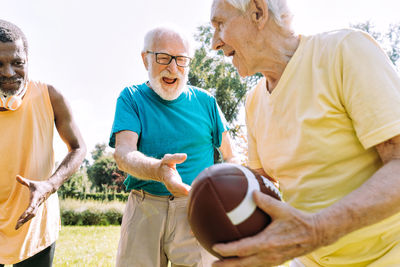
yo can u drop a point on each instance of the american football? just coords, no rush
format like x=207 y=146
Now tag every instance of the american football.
x=221 y=208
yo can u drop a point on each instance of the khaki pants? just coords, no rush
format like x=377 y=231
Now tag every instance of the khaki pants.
x=155 y=230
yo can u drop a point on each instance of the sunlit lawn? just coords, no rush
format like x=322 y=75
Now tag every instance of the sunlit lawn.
x=87 y=246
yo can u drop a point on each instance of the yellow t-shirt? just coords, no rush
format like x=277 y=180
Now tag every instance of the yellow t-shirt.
x=338 y=97
x=26 y=149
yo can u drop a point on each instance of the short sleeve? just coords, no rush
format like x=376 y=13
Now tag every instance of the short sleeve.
x=370 y=89
x=220 y=124
x=126 y=115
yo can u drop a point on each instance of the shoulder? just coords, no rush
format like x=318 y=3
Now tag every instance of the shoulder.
x=338 y=38
x=55 y=95
x=200 y=93
x=132 y=94
x=335 y=35
x=132 y=90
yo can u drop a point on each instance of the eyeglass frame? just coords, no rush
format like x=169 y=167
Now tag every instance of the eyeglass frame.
x=171 y=58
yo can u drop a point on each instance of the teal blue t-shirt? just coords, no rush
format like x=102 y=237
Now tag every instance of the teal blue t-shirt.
x=191 y=124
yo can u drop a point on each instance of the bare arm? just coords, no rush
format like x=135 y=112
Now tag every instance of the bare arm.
x=71 y=136
x=130 y=160
x=294 y=233
x=226 y=149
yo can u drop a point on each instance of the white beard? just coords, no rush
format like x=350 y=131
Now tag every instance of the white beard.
x=168 y=93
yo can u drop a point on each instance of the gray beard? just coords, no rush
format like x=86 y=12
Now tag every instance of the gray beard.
x=170 y=95
x=8 y=93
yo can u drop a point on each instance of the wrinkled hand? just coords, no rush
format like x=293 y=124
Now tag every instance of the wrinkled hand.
x=170 y=176
x=39 y=192
x=292 y=233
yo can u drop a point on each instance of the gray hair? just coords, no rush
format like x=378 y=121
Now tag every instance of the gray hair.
x=278 y=9
x=10 y=32
x=160 y=32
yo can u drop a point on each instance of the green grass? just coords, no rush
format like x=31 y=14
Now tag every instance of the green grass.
x=87 y=246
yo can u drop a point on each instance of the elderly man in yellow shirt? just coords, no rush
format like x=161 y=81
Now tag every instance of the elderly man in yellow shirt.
x=29 y=211
x=325 y=122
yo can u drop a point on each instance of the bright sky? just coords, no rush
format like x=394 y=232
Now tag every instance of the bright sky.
x=90 y=49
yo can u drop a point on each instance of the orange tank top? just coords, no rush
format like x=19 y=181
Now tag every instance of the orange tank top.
x=26 y=147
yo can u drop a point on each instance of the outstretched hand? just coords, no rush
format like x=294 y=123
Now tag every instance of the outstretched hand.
x=170 y=176
x=292 y=233
x=39 y=192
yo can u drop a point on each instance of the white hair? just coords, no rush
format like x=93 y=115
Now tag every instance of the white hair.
x=161 y=31
x=278 y=9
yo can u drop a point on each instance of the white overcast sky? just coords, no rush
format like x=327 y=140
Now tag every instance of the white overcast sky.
x=90 y=49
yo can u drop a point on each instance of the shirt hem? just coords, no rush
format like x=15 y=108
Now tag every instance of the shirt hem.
x=380 y=135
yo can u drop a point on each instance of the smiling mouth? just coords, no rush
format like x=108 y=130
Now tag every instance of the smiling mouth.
x=169 y=80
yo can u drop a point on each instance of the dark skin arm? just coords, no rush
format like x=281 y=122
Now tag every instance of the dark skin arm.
x=69 y=133
x=294 y=233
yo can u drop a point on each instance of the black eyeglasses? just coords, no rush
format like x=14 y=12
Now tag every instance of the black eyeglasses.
x=165 y=59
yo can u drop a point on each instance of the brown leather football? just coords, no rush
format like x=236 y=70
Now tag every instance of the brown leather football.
x=221 y=208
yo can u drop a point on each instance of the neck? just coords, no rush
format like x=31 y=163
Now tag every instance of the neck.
x=20 y=93
x=281 y=44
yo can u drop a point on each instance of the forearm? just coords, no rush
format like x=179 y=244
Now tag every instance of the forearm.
x=375 y=200
x=68 y=166
x=227 y=151
x=137 y=164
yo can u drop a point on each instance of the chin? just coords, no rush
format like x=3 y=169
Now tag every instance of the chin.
x=243 y=72
x=168 y=92
x=10 y=90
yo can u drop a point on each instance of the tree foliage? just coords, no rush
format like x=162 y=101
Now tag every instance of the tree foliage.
x=104 y=173
x=389 y=40
x=77 y=184
x=212 y=71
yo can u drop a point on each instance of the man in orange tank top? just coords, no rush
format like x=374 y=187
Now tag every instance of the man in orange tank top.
x=29 y=211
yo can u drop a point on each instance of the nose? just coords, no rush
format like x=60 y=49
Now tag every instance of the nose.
x=173 y=67
x=216 y=43
x=7 y=70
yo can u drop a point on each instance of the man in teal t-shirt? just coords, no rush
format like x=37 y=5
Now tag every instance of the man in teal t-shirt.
x=164 y=134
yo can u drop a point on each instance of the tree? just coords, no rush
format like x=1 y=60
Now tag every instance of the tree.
x=77 y=184
x=104 y=173
x=389 y=40
x=99 y=150
x=212 y=71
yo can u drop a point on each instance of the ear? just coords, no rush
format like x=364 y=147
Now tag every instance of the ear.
x=144 y=58
x=259 y=12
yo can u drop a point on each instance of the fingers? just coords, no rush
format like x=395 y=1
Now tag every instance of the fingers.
x=28 y=214
x=268 y=204
x=244 y=247
x=174 y=158
x=180 y=189
x=251 y=245
x=23 y=180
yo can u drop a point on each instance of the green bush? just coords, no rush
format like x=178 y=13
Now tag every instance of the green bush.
x=114 y=216
x=91 y=217
x=95 y=196
x=76 y=212
x=70 y=217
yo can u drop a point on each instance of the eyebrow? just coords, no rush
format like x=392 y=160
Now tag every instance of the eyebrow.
x=215 y=20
